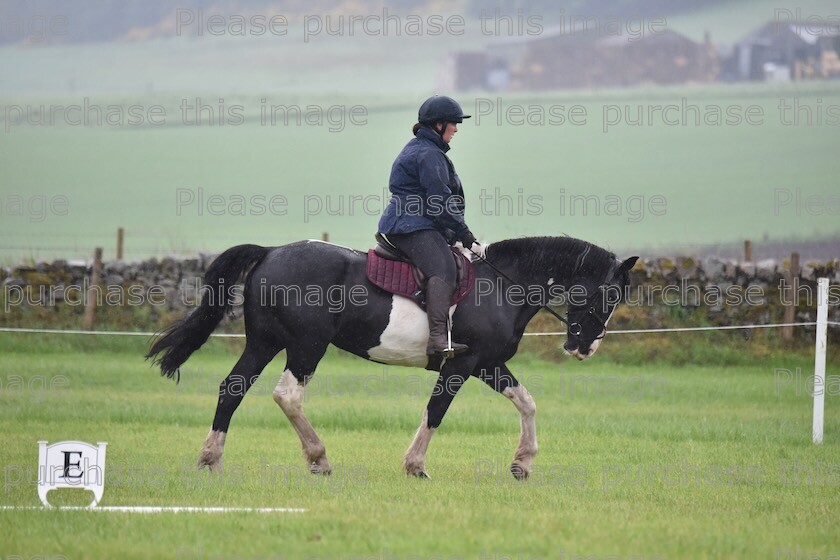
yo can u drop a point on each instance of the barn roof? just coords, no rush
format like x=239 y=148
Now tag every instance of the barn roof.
x=807 y=32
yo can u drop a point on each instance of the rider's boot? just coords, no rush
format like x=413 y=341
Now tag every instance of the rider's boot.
x=438 y=295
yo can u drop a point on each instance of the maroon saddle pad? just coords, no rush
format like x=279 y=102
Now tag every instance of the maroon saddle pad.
x=404 y=279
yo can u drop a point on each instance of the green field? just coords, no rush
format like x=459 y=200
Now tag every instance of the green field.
x=720 y=182
x=652 y=186
x=662 y=446
x=647 y=462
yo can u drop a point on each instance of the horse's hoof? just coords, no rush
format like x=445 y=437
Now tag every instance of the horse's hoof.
x=212 y=466
x=419 y=473
x=518 y=471
x=318 y=468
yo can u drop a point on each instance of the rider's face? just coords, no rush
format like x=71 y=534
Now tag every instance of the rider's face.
x=451 y=129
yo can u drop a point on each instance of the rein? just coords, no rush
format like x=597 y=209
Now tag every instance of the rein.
x=574 y=328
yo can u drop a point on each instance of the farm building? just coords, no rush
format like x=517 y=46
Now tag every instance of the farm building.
x=784 y=51
x=583 y=59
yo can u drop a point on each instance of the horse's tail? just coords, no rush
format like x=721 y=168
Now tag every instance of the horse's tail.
x=179 y=340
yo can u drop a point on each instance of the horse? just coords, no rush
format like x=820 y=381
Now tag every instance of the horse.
x=514 y=279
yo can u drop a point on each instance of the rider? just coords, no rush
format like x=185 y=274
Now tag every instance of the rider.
x=426 y=212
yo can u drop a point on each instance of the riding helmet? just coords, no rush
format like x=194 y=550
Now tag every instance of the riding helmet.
x=441 y=108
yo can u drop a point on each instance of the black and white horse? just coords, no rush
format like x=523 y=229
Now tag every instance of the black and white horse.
x=287 y=306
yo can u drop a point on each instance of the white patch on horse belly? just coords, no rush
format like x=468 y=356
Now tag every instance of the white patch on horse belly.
x=403 y=342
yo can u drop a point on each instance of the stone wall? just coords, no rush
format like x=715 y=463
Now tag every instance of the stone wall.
x=717 y=291
x=666 y=292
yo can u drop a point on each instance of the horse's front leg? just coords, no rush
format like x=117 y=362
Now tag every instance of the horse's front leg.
x=502 y=380
x=452 y=377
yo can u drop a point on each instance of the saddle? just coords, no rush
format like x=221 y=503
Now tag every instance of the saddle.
x=392 y=270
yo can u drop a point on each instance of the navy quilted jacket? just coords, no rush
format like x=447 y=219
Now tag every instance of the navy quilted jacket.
x=426 y=191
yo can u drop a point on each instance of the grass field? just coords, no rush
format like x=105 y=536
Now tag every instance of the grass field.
x=647 y=462
x=720 y=183
x=669 y=185
x=659 y=447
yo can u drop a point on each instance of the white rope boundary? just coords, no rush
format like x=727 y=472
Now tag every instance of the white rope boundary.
x=626 y=331
x=104 y=333
x=696 y=329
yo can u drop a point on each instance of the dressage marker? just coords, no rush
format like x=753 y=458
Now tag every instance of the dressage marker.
x=71 y=464
x=76 y=464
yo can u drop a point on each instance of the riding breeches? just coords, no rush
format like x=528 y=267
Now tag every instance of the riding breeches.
x=429 y=251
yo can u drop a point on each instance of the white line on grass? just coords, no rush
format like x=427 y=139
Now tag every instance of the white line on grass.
x=159 y=509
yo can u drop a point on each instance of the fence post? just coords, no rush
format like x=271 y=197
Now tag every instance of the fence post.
x=120 y=238
x=95 y=279
x=819 y=359
x=747 y=251
x=790 y=306
x=325 y=236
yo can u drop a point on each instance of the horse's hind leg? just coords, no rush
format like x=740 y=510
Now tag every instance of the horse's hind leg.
x=256 y=356
x=288 y=394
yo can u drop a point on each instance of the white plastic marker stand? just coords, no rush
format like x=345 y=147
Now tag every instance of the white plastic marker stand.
x=819 y=359
x=71 y=464
x=76 y=464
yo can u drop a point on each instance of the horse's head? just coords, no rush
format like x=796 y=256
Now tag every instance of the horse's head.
x=591 y=307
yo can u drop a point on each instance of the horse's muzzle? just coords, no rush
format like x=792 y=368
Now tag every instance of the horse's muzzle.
x=573 y=349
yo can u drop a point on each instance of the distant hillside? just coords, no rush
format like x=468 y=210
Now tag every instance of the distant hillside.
x=84 y=21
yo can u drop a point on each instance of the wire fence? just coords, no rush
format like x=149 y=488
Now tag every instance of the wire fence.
x=625 y=331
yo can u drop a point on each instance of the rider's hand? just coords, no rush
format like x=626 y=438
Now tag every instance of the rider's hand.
x=467 y=239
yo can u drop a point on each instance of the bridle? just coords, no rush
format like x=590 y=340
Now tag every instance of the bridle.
x=575 y=328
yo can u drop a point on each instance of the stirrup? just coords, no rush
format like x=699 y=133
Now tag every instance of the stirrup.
x=450 y=351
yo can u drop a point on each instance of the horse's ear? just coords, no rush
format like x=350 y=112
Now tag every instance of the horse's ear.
x=627 y=265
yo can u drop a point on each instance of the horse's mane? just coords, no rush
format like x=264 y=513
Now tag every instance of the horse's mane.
x=563 y=256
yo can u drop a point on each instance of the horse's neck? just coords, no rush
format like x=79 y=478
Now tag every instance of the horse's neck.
x=549 y=281
x=554 y=278
x=559 y=273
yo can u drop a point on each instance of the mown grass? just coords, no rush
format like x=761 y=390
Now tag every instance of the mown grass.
x=744 y=479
